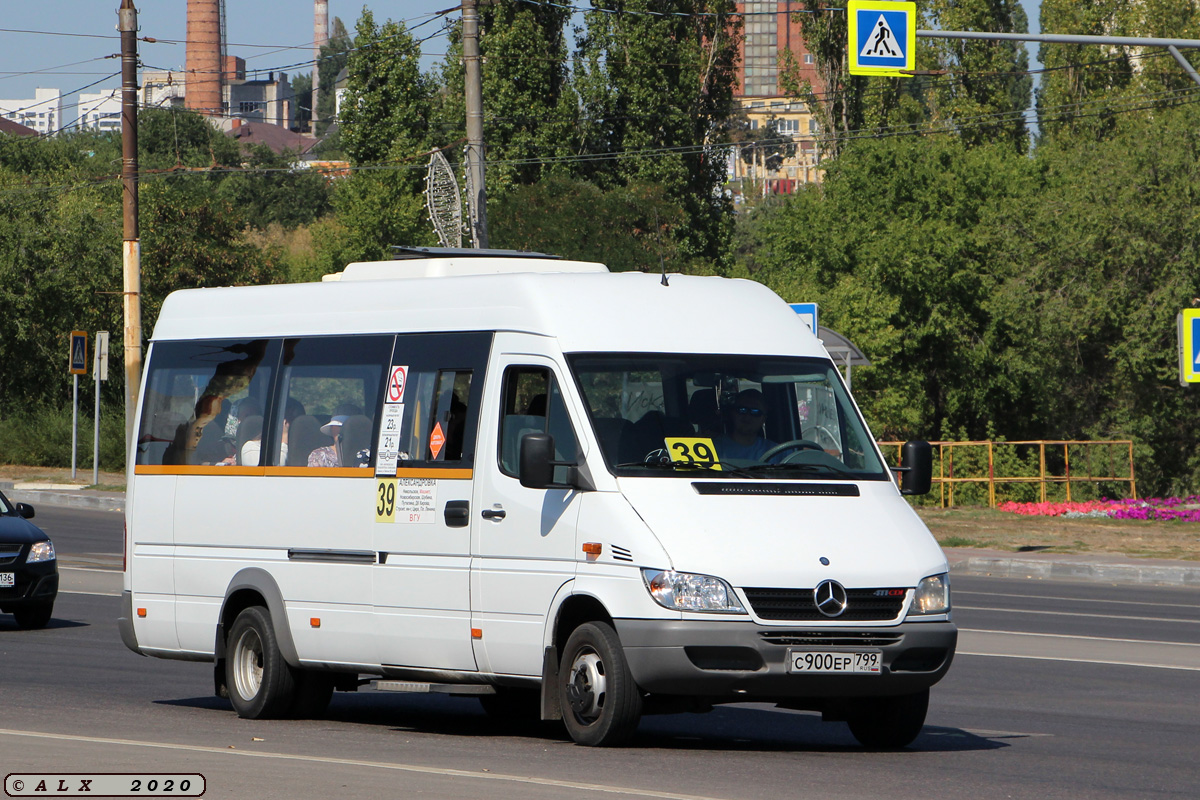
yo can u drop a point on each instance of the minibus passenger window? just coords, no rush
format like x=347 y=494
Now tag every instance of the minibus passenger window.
x=187 y=417
x=330 y=391
x=449 y=415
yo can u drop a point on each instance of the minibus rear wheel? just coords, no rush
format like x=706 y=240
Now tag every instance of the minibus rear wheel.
x=261 y=684
x=889 y=723
x=601 y=703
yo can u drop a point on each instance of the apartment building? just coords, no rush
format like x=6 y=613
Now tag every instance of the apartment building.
x=771 y=39
x=100 y=111
x=43 y=112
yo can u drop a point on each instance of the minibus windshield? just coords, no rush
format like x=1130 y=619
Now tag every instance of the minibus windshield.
x=744 y=416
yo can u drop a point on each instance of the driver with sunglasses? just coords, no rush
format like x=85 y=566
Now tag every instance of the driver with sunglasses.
x=745 y=440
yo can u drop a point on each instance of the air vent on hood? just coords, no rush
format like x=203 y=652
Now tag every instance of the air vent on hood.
x=621 y=553
x=801 y=489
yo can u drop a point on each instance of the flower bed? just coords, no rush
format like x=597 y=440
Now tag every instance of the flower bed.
x=1185 y=509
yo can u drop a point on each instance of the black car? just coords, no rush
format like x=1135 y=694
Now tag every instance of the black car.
x=28 y=568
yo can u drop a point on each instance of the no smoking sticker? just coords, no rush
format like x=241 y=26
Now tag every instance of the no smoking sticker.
x=396 y=384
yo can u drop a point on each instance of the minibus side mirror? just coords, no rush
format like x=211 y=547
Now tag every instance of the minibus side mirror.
x=536 y=470
x=916 y=471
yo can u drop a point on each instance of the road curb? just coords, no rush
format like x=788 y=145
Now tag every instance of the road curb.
x=82 y=499
x=1075 y=568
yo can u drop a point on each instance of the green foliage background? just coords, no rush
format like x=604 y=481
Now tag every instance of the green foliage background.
x=1006 y=281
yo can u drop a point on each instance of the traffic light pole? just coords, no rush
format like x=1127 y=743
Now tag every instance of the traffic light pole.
x=1172 y=45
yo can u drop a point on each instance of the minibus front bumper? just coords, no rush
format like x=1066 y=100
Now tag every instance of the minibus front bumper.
x=745 y=661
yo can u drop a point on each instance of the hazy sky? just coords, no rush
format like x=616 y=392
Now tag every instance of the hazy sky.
x=271 y=36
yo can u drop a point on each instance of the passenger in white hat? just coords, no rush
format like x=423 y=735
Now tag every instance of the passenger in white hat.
x=328 y=456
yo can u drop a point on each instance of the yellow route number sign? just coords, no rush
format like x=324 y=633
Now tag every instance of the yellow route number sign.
x=385 y=500
x=698 y=451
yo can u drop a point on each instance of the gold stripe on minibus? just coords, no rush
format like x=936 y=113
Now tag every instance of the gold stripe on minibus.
x=299 y=472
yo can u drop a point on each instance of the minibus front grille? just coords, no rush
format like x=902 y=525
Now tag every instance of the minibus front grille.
x=832 y=638
x=862 y=605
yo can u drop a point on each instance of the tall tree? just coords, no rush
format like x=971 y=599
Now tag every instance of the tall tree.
x=529 y=107
x=989 y=87
x=655 y=80
x=385 y=131
x=1086 y=88
x=335 y=55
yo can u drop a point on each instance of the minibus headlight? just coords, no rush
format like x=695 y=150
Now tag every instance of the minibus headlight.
x=40 y=551
x=683 y=591
x=932 y=595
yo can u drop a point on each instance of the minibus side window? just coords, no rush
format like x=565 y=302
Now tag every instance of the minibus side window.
x=435 y=389
x=448 y=416
x=192 y=390
x=532 y=403
x=329 y=393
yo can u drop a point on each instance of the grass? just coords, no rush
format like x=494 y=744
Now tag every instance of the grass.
x=986 y=528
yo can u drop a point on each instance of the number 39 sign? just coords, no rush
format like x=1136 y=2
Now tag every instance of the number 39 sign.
x=698 y=451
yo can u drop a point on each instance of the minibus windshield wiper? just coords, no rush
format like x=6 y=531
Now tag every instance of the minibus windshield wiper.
x=708 y=466
x=799 y=468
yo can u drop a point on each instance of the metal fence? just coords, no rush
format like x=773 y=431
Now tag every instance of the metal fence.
x=1094 y=462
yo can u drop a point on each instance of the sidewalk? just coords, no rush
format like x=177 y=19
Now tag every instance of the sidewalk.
x=62 y=496
x=1097 y=568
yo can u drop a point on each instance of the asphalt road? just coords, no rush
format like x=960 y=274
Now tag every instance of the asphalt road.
x=1061 y=690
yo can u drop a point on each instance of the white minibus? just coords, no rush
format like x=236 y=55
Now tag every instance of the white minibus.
x=576 y=494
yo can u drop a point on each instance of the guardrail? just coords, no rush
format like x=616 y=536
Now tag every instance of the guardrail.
x=1053 y=467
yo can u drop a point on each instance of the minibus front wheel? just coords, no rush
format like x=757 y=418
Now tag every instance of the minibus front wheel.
x=261 y=684
x=889 y=723
x=601 y=703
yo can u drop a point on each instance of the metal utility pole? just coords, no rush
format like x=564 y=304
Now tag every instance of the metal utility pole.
x=131 y=247
x=477 y=198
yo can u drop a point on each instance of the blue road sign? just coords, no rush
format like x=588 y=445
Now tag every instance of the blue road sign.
x=78 y=352
x=1189 y=346
x=808 y=313
x=882 y=37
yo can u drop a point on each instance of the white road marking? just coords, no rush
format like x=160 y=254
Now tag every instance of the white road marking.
x=1027 y=596
x=350 y=762
x=1076 y=614
x=1079 y=649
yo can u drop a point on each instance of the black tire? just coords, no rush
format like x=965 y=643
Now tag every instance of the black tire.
x=889 y=723
x=261 y=684
x=513 y=704
x=314 y=690
x=33 y=616
x=601 y=704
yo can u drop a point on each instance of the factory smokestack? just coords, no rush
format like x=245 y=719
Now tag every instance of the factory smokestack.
x=320 y=37
x=202 y=90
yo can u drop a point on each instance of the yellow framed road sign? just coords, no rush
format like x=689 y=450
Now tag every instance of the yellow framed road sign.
x=78 y=353
x=883 y=38
x=1188 y=323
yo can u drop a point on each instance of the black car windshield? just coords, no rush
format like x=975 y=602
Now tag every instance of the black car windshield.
x=742 y=416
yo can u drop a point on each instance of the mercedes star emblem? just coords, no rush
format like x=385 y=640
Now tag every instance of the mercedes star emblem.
x=830 y=598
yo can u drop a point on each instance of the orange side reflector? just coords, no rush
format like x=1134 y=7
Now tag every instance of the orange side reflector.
x=141 y=612
x=476 y=633
x=593 y=548
x=315 y=622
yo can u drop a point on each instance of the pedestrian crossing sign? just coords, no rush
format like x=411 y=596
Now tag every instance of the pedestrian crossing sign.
x=882 y=38
x=78 y=352
x=1188 y=322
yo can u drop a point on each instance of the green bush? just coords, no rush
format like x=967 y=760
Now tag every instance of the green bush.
x=41 y=437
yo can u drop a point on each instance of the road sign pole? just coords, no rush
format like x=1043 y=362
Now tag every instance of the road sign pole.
x=101 y=370
x=74 y=424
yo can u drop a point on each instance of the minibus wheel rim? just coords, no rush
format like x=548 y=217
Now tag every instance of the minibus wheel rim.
x=248 y=664
x=588 y=686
